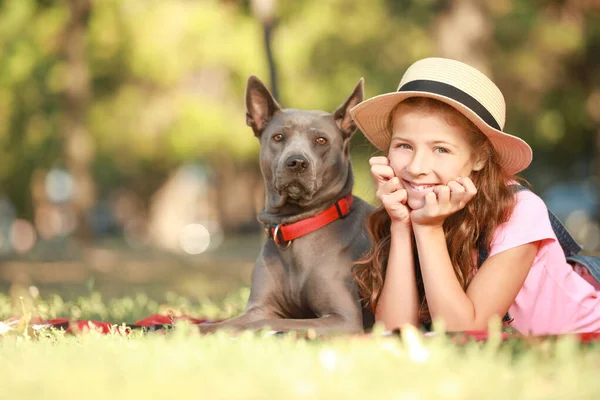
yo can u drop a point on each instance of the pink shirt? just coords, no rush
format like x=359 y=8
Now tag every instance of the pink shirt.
x=554 y=298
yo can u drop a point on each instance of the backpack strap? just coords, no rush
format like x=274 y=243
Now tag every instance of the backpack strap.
x=590 y=262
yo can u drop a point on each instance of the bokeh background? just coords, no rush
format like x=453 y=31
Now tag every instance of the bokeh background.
x=125 y=163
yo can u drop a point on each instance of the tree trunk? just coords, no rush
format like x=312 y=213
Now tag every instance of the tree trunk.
x=78 y=145
x=462 y=33
x=264 y=10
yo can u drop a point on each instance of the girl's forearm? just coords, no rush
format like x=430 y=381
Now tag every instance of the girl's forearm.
x=445 y=297
x=399 y=301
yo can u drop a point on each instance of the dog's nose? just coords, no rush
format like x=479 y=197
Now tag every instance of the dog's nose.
x=297 y=163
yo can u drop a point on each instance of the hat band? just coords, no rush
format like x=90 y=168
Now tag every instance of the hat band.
x=454 y=93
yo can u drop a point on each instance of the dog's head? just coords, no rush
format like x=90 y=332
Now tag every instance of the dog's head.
x=304 y=155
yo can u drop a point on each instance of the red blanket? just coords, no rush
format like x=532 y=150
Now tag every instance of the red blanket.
x=155 y=322
x=159 y=322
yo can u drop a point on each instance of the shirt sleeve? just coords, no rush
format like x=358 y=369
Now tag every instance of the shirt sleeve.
x=528 y=223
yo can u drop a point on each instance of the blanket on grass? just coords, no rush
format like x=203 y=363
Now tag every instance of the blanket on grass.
x=163 y=323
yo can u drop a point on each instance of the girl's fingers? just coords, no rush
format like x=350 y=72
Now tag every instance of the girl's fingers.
x=388 y=187
x=395 y=199
x=431 y=202
x=395 y=205
x=379 y=160
x=399 y=196
x=443 y=195
x=381 y=170
x=381 y=173
x=470 y=189
x=403 y=197
x=457 y=194
x=443 y=201
x=429 y=213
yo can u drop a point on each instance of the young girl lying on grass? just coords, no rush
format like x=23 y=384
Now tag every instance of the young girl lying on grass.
x=449 y=198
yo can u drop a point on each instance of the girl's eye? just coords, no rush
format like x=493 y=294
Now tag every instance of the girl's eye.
x=321 y=141
x=278 y=137
x=442 y=150
x=404 y=146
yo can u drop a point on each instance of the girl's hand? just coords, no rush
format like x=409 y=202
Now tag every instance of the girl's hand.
x=390 y=191
x=393 y=196
x=444 y=201
x=380 y=170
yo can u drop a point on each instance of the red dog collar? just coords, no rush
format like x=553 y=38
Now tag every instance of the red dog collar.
x=286 y=233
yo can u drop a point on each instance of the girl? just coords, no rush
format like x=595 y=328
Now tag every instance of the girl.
x=447 y=190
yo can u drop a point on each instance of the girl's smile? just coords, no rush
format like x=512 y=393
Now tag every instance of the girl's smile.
x=417 y=188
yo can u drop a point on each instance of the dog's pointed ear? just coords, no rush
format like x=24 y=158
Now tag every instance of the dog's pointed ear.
x=342 y=115
x=260 y=105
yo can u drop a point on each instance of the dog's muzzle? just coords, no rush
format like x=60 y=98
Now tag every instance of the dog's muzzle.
x=296 y=178
x=296 y=189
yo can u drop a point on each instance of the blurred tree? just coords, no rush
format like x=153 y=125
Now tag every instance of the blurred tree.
x=140 y=87
x=29 y=95
x=79 y=146
x=545 y=56
x=463 y=31
x=264 y=10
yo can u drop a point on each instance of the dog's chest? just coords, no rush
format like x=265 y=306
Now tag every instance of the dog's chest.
x=294 y=286
x=291 y=276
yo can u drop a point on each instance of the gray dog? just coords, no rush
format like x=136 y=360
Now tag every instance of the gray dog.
x=302 y=278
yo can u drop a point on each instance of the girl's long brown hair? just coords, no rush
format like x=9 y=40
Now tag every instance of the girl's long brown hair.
x=465 y=231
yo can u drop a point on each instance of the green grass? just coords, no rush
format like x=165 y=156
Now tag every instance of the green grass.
x=182 y=364
x=126 y=309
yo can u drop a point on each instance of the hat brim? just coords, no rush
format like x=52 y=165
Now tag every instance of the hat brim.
x=373 y=118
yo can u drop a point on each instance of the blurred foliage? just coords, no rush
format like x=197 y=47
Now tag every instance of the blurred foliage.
x=167 y=79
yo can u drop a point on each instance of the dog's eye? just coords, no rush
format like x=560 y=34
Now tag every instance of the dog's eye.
x=321 y=141
x=278 y=137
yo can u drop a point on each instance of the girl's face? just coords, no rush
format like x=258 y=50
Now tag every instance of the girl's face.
x=425 y=151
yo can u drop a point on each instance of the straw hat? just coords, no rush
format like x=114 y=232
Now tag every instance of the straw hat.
x=459 y=85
